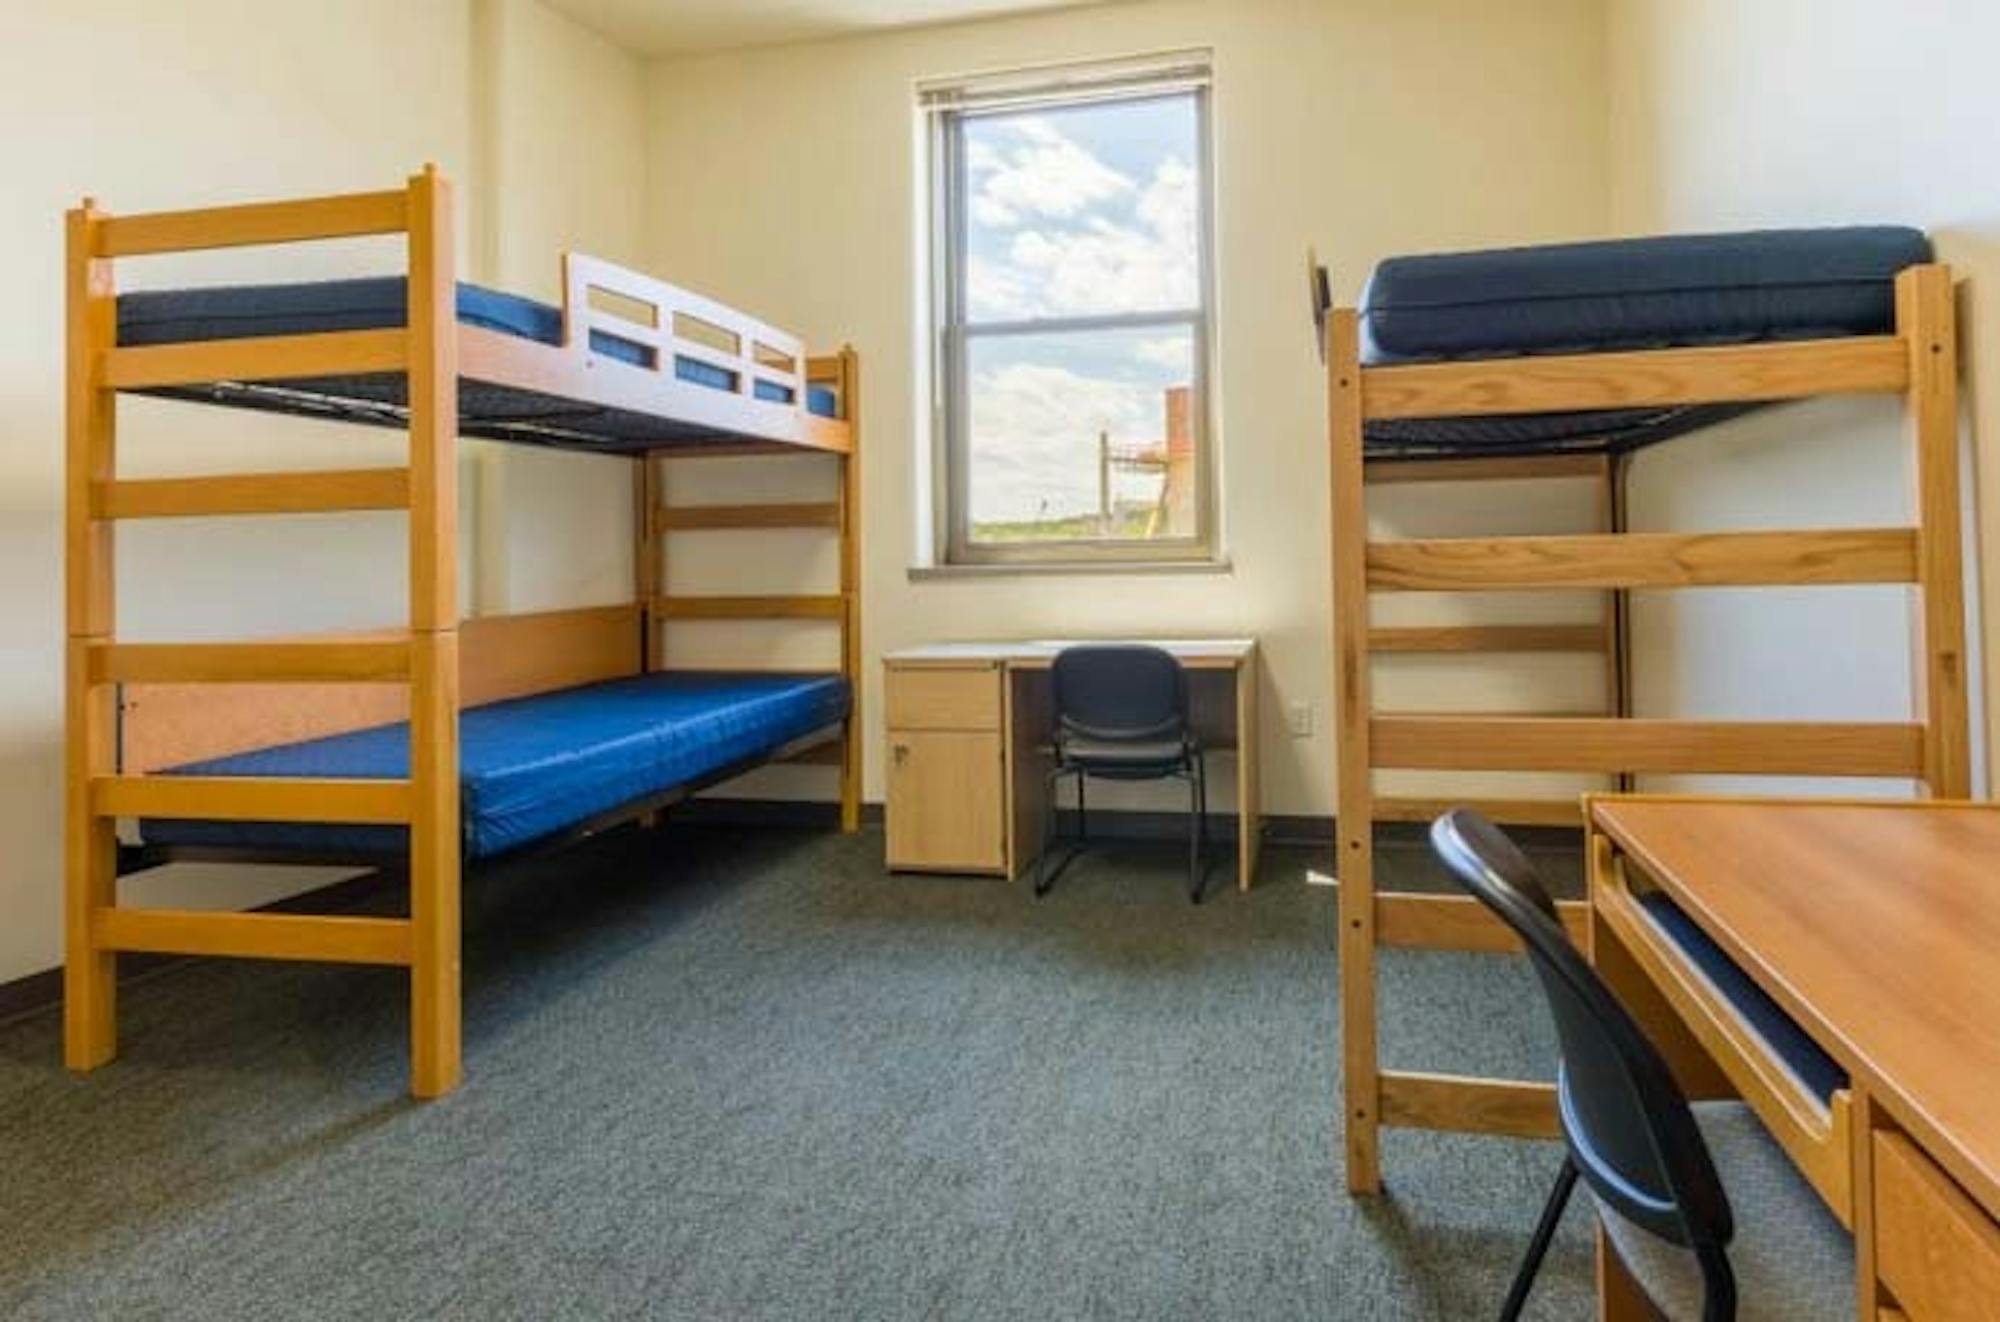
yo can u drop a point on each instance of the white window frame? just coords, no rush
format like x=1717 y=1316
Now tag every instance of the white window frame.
x=948 y=106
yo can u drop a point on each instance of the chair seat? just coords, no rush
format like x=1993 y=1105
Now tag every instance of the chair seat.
x=1791 y=1258
x=1126 y=755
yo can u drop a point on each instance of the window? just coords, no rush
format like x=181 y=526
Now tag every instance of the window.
x=1072 y=313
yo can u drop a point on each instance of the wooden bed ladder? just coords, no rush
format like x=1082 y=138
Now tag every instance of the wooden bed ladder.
x=655 y=519
x=424 y=658
x=1918 y=362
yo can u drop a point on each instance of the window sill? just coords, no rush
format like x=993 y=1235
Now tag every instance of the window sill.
x=1033 y=569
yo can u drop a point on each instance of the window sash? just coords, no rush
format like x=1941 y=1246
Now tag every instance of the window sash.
x=951 y=402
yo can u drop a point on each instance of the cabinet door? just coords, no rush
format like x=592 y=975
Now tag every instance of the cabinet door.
x=944 y=811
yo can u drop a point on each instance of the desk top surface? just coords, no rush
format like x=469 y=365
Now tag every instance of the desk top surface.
x=1876 y=925
x=1222 y=652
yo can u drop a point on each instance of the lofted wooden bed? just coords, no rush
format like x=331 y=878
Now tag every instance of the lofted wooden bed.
x=1917 y=362
x=628 y=365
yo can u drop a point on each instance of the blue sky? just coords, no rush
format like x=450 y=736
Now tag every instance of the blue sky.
x=1075 y=212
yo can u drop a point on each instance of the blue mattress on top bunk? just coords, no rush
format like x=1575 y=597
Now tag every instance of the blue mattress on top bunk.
x=532 y=767
x=1705 y=289
x=174 y=316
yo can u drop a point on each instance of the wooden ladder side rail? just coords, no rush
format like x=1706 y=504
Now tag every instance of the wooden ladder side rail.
x=1354 y=816
x=1926 y=323
x=848 y=386
x=436 y=850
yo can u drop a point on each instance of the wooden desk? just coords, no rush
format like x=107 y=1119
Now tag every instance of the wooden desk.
x=1876 y=926
x=969 y=729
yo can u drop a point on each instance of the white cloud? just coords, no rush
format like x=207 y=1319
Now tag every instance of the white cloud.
x=1043 y=173
x=1094 y=263
x=1172 y=352
x=1034 y=428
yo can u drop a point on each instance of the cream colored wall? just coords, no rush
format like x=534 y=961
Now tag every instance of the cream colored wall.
x=564 y=167
x=151 y=106
x=786 y=180
x=1746 y=113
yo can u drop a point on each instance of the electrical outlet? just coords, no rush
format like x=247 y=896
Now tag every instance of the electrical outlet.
x=1299 y=719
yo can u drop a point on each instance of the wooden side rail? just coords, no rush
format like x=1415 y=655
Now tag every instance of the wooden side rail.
x=326 y=491
x=254 y=799
x=1644 y=560
x=1729 y=374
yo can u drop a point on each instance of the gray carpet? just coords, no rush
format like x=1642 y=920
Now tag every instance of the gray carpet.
x=718 y=1075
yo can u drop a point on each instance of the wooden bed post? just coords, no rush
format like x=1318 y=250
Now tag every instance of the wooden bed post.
x=435 y=848
x=1926 y=322
x=1354 y=861
x=647 y=497
x=850 y=589
x=90 y=854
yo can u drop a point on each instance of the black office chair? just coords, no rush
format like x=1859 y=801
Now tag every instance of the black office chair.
x=1647 y=1156
x=1122 y=714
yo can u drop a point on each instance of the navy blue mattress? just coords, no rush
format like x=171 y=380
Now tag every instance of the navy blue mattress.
x=1705 y=289
x=177 y=316
x=532 y=767
x=1813 y=1067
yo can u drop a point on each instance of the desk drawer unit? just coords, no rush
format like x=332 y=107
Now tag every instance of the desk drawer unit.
x=1935 y=1249
x=946 y=774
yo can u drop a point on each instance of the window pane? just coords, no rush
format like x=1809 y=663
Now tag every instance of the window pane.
x=1082 y=435
x=1082 y=210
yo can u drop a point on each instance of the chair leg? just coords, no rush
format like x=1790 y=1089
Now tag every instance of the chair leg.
x=1050 y=820
x=1196 y=873
x=1082 y=814
x=1538 y=1247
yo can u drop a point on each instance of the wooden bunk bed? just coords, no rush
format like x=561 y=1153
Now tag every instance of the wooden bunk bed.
x=1913 y=356
x=348 y=748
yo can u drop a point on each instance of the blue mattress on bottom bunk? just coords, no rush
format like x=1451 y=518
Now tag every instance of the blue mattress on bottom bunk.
x=173 y=316
x=531 y=767
x=1703 y=289
x=1803 y=1056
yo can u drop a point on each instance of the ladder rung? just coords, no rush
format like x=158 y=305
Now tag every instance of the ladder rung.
x=690 y=518
x=334 y=940
x=830 y=606
x=1722 y=374
x=359 y=662
x=1775 y=748
x=253 y=493
x=1470 y=1105
x=1491 y=638
x=256 y=358
x=253 y=798
x=1459 y=922
x=340 y=216
x=1645 y=560
x=1508 y=812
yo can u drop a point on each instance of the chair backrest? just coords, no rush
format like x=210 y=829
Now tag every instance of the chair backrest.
x=1120 y=691
x=1627 y=1123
